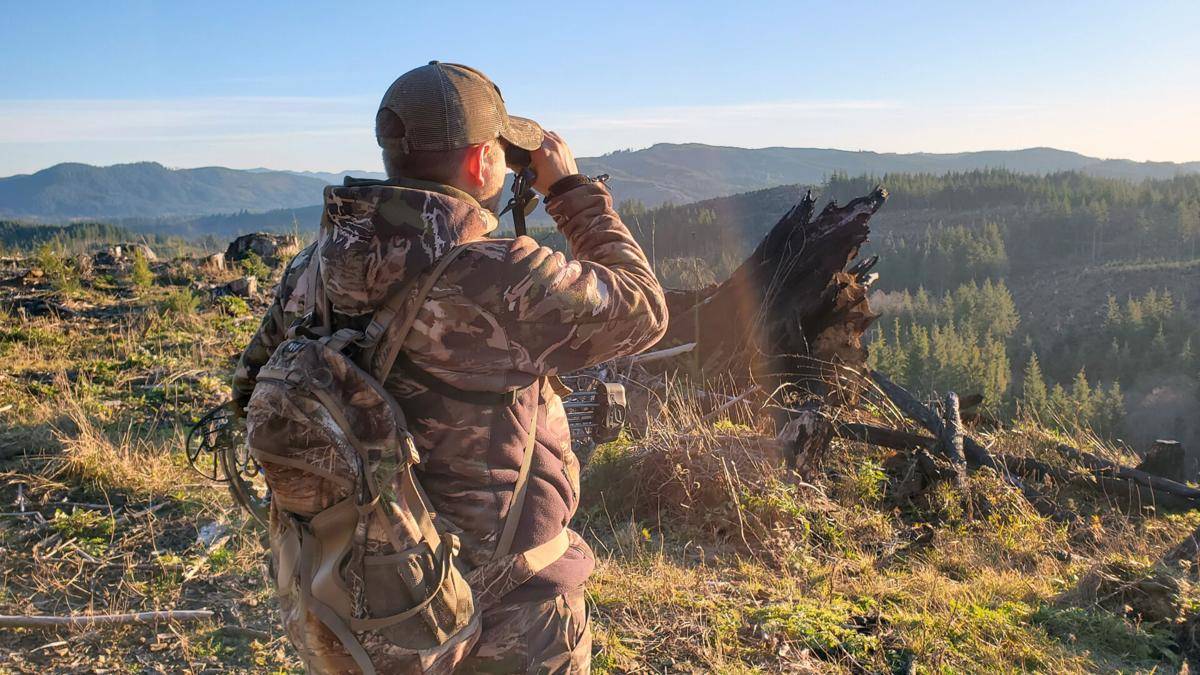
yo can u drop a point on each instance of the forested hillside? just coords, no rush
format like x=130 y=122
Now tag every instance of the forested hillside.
x=148 y=189
x=1067 y=296
x=687 y=172
x=23 y=238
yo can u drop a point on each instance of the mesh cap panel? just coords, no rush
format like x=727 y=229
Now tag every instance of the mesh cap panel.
x=446 y=106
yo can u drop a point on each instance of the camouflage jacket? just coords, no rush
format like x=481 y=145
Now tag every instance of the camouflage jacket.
x=505 y=314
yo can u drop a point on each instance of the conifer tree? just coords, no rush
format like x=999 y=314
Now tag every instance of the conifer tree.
x=1034 y=396
x=1059 y=405
x=140 y=273
x=1082 y=398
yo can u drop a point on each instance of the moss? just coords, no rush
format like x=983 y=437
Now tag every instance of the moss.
x=829 y=630
x=220 y=560
x=91 y=530
x=1105 y=633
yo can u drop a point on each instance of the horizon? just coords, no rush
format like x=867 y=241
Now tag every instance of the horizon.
x=130 y=81
x=610 y=152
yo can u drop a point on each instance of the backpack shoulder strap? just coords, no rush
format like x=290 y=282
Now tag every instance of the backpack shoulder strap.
x=389 y=312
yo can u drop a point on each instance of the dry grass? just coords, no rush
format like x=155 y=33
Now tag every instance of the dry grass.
x=93 y=459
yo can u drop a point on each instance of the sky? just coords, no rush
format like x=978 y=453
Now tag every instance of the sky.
x=295 y=85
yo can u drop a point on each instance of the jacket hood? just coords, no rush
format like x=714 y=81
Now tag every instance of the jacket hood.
x=376 y=236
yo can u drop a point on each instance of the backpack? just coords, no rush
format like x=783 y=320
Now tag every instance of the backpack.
x=368 y=578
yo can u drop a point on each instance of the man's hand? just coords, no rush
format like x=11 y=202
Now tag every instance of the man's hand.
x=551 y=162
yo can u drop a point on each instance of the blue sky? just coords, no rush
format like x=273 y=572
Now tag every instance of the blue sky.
x=295 y=84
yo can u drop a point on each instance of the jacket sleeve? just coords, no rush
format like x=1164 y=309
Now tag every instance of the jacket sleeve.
x=562 y=314
x=268 y=336
x=273 y=328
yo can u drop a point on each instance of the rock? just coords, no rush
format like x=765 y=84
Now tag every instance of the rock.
x=274 y=249
x=147 y=252
x=246 y=287
x=210 y=534
x=122 y=253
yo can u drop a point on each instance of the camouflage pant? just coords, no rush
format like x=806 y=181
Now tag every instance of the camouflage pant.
x=548 y=637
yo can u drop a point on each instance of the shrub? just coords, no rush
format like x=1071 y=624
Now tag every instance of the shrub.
x=140 y=273
x=232 y=305
x=181 y=302
x=61 y=275
x=254 y=266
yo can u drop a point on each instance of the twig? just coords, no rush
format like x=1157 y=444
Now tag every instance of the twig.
x=23 y=514
x=661 y=354
x=85 y=620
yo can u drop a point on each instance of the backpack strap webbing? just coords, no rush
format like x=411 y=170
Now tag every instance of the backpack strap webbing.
x=541 y=556
x=513 y=518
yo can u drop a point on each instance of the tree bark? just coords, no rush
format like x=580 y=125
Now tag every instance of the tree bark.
x=952 y=438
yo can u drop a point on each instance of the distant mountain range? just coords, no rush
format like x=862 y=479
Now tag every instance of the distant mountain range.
x=329 y=178
x=148 y=189
x=689 y=172
x=678 y=173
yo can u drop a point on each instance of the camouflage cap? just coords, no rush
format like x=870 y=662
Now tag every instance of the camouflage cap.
x=446 y=106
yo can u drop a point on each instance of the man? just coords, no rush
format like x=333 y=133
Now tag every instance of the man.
x=504 y=316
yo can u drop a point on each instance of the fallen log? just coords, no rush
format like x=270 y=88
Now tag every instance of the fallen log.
x=882 y=436
x=87 y=620
x=1156 y=484
x=1025 y=466
x=976 y=454
x=903 y=440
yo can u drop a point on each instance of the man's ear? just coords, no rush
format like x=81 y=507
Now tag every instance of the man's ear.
x=477 y=164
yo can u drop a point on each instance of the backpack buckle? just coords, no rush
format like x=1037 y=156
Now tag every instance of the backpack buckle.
x=371 y=335
x=414 y=457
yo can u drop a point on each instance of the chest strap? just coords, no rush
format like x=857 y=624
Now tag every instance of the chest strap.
x=433 y=383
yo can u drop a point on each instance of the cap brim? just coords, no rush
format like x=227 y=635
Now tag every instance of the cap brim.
x=523 y=133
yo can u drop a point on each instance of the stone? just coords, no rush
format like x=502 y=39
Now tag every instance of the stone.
x=245 y=287
x=274 y=249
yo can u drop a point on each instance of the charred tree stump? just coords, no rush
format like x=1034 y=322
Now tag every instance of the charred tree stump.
x=804 y=439
x=789 y=320
x=1170 y=459
x=791 y=311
